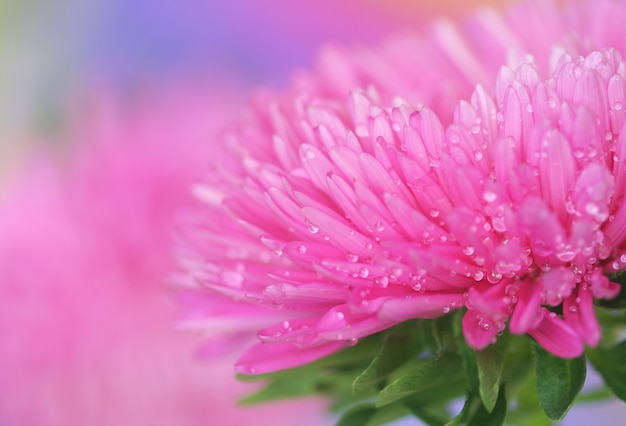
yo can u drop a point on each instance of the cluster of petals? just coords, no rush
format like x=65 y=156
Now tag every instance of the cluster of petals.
x=350 y=214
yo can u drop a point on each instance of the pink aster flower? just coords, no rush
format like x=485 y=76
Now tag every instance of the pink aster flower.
x=84 y=253
x=373 y=194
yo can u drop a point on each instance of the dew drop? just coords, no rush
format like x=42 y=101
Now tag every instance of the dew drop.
x=352 y=257
x=494 y=277
x=369 y=246
x=364 y=272
x=445 y=309
x=617 y=106
x=302 y=249
x=232 y=278
x=352 y=342
x=309 y=154
x=478 y=155
x=573 y=309
x=313 y=229
x=468 y=251
x=475 y=129
x=434 y=212
x=382 y=282
x=478 y=275
x=340 y=316
x=592 y=208
x=489 y=196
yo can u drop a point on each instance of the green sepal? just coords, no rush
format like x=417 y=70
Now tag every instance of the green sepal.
x=490 y=363
x=474 y=412
x=426 y=374
x=559 y=380
x=395 y=351
x=357 y=416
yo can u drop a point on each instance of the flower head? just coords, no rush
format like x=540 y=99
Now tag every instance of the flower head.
x=351 y=205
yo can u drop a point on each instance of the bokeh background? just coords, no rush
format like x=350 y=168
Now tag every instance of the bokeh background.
x=53 y=54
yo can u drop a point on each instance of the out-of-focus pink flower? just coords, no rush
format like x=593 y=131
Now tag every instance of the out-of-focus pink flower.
x=84 y=251
x=350 y=206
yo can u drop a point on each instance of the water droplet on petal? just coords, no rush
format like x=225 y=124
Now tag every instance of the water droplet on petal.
x=478 y=275
x=489 y=196
x=309 y=154
x=313 y=229
x=468 y=251
x=382 y=282
x=352 y=342
x=591 y=208
x=302 y=249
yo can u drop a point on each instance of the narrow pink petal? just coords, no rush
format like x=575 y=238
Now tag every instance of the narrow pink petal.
x=527 y=313
x=266 y=358
x=557 y=283
x=592 y=193
x=557 y=337
x=341 y=323
x=617 y=102
x=287 y=330
x=579 y=314
x=479 y=331
x=420 y=306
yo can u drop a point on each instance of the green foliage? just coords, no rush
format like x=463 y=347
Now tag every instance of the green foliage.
x=420 y=367
x=611 y=364
x=490 y=362
x=474 y=412
x=559 y=381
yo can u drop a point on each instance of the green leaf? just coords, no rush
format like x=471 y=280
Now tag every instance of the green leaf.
x=432 y=415
x=280 y=390
x=611 y=365
x=357 y=416
x=369 y=415
x=474 y=412
x=387 y=414
x=468 y=354
x=427 y=374
x=395 y=351
x=490 y=363
x=559 y=380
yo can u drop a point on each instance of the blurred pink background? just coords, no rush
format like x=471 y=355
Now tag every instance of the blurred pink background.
x=54 y=56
